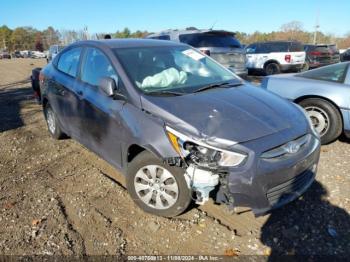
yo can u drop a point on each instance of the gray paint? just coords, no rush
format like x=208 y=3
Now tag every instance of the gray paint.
x=249 y=119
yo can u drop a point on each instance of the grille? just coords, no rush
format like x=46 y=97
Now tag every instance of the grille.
x=281 y=191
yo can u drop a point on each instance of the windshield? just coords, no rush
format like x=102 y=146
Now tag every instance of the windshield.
x=210 y=40
x=178 y=69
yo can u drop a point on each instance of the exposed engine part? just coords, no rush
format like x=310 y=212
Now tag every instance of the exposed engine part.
x=201 y=181
x=175 y=161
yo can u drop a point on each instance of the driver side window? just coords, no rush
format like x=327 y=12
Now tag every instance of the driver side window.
x=96 y=66
x=251 y=49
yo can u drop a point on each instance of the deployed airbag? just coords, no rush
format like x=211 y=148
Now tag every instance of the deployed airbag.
x=164 y=79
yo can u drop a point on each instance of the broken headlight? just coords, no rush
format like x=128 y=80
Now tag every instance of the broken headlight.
x=202 y=154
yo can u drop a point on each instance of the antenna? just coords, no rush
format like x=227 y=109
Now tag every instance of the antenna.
x=317 y=26
x=211 y=28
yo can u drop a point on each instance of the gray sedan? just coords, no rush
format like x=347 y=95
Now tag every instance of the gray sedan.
x=179 y=125
x=324 y=93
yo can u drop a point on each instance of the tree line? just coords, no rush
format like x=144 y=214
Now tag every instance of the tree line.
x=29 y=38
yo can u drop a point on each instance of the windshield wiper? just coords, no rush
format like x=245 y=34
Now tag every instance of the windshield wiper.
x=165 y=92
x=225 y=84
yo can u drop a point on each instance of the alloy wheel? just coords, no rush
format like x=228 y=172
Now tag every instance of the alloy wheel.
x=319 y=119
x=156 y=187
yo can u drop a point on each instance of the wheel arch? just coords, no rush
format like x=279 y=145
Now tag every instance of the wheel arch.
x=44 y=102
x=271 y=61
x=302 y=98
x=133 y=151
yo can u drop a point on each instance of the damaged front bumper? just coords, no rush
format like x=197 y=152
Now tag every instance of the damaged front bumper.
x=266 y=184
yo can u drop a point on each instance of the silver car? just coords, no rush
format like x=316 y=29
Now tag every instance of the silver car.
x=221 y=45
x=324 y=93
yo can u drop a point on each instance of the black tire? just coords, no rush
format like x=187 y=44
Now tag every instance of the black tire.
x=272 y=69
x=55 y=130
x=184 y=196
x=334 y=119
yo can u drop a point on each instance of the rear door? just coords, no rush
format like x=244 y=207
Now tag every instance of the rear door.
x=62 y=85
x=100 y=120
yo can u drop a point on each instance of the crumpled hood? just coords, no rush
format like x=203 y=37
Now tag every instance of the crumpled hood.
x=237 y=114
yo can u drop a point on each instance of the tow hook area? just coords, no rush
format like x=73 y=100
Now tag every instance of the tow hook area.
x=201 y=181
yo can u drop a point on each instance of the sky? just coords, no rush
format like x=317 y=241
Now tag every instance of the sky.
x=108 y=16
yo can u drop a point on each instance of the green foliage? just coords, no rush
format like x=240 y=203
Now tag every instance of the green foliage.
x=126 y=33
x=5 y=36
x=28 y=38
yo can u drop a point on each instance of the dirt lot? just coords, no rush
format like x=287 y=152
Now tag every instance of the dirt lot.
x=58 y=198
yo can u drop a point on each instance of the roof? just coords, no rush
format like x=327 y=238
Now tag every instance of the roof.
x=190 y=31
x=128 y=42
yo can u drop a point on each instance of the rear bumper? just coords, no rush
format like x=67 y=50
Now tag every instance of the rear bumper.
x=271 y=183
x=291 y=67
x=316 y=64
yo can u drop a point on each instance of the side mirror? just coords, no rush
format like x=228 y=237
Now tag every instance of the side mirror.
x=110 y=87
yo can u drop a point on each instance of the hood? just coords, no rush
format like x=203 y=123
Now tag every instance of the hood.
x=233 y=115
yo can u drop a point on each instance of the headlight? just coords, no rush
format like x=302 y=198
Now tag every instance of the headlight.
x=314 y=131
x=202 y=154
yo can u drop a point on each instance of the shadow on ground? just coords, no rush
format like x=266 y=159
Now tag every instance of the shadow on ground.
x=10 y=105
x=309 y=226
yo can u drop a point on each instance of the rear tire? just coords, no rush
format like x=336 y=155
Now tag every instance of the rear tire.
x=52 y=123
x=325 y=117
x=272 y=69
x=156 y=187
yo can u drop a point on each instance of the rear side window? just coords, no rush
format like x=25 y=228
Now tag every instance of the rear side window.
x=96 y=66
x=277 y=47
x=210 y=40
x=334 y=73
x=69 y=61
x=296 y=47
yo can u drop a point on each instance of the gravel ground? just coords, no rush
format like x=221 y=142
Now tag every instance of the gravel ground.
x=57 y=198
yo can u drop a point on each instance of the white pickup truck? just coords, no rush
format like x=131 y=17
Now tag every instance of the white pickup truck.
x=275 y=57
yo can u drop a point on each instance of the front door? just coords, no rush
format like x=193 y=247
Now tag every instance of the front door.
x=100 y=119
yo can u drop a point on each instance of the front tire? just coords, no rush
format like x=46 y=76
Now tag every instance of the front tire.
x=52 y=123
x=157 y=188
x=325 y=118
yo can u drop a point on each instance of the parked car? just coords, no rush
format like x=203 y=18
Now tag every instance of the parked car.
x=325 y=95
x=321 y=55
x=5 y=55
x=179 y=125
x=37 y=54
x=25 y=53
x=53 y=51
x=275 y=57
x=221 y=45
x=345 y=56
x=17 y=54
